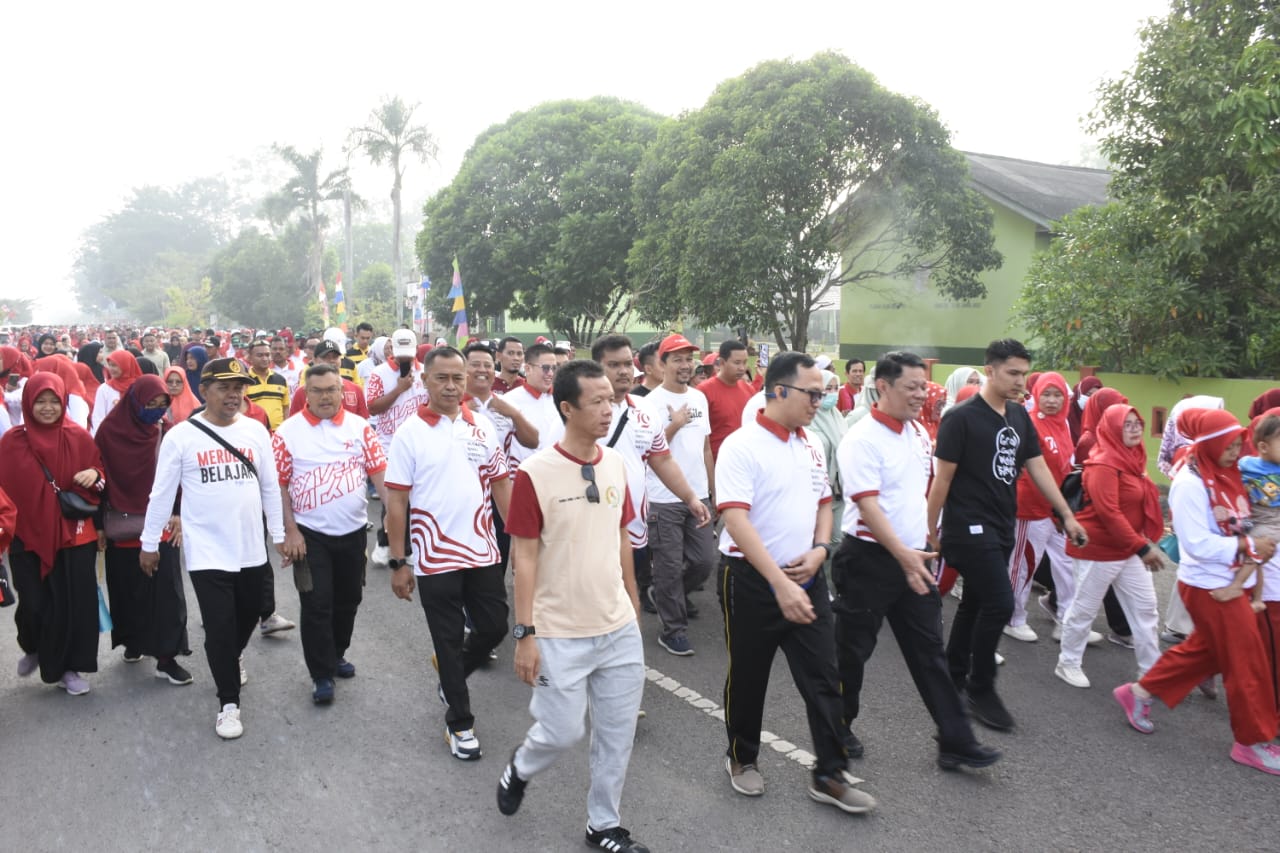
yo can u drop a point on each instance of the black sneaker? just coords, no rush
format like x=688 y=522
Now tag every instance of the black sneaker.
x=345 y=669
x=323 y=694
x=173 y=671
x=987 y=709
x=614 y=839
x=510 y=788
x=970 y=755
x=852 y=745
x=646 y=600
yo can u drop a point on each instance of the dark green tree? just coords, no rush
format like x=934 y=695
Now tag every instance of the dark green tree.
x=303 y=199
x=748 y=204
x=541 y=218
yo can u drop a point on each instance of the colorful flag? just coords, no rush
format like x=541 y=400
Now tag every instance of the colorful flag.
x=340 y=304
x=459 y=305
x=324 y=303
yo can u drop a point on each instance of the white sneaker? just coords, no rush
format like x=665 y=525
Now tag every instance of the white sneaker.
x=1073 y=675
x=999 y=659
x=276 y=623
x=244 y=673
x=228 y=726
x=1021 y=632
x=1093 y=639
x=463 y=744
x=381 y=555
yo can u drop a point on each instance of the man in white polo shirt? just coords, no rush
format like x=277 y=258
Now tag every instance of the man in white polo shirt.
x=324 y=454
x=882 y=568
x=445 y=474
x=393 y=393
x=776 y=503
x=533 y=400
x=683 y=550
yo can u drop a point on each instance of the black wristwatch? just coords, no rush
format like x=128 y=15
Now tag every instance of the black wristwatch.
x=826 y=546
x=522 y=631
x=393 y=563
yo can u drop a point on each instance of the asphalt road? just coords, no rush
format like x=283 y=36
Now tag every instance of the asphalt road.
x=135 y=764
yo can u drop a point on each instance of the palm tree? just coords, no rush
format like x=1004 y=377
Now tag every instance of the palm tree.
x=389 y=136
x=305 y=194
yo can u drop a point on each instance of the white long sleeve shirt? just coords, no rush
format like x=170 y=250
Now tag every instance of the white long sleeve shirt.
x=222 y=503
x=1207 y=553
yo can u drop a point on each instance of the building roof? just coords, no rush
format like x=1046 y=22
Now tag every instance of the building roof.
x=1038 y=191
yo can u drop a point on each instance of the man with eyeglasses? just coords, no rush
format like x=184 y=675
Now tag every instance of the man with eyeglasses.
x=580 y=651
x=682 y=549
x=323 y=456
x=445 y=474
x=533 y=399
x=776 y=502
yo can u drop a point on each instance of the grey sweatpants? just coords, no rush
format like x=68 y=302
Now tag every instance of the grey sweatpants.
x=604 y=675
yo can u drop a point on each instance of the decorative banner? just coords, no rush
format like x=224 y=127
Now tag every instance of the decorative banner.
x=324 y=303
x=459 y=306
x=340 y=305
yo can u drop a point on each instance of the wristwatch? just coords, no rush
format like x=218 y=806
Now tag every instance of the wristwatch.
x=522 y=631
x=394 y=563
x=826 y=546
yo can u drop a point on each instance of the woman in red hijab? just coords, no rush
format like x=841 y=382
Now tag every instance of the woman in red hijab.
x=1099 y=402
x=15 y=369
x=1035 y=533
x=181 y=401
x=1079 y=398
x=148 y=614
x=77 y=398
x=934 y=402
x=122 y=370
x=53 y=557
x=1211 y=507
x=1124 y=521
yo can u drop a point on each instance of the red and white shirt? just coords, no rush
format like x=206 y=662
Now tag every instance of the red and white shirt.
x=448 y=467
x=641 y=440
x=540 y=410
x=780 y=478
x=291 y=371
x=384 y=378
x=324 y=465
x=892 y=460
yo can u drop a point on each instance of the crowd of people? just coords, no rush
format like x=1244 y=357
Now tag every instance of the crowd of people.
x=817 y=509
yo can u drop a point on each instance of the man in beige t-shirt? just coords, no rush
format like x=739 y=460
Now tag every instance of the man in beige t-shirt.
x=577 y=640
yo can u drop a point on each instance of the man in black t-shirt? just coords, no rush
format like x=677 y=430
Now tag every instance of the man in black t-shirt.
x=983 y=444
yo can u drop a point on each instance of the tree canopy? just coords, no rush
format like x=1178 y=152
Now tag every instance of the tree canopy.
x=1193 y=237
x=541 y=218
x=747 y=204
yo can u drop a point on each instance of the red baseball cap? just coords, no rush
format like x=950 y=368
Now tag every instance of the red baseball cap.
x=674 y=343
x=709 y=359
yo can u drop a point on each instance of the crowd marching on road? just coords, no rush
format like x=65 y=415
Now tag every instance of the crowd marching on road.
x=815 y=509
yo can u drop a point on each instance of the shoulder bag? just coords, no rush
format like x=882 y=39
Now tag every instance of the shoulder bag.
x=195 y=422
x=73 y=506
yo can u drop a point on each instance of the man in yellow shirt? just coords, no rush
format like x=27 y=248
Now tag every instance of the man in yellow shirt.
x=269 y=389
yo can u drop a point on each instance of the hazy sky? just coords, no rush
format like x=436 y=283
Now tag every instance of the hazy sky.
x=103 y=97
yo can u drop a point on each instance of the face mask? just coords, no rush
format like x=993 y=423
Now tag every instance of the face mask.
x=151 y=416
x=1081 y=402
x=829 y=400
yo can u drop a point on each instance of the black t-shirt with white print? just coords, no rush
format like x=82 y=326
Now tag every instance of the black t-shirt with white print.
x=989 y=451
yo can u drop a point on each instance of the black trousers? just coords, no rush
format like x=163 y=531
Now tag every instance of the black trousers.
x=483 y=592
x=500 y=532
x=148 y=614
x=643 y=561
x=383 y=541
x=57 y=616
x=870 y=586
x=329 y=608
x=984 y=610
x=229 y=606
x=754 y=630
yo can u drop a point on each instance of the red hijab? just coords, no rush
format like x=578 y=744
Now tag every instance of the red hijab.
x=1099 y=402
x=129 y=370
x=934 y=402
x=1076 y=410
x=129 y=446
x=66 y=449
x=1211 y=432
x=1111 y=452
x=1054 y=427
x=181 y=406
x=1265 y=400
x=66 y=371
x=12 y=360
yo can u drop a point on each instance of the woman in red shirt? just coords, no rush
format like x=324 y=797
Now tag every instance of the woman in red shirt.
x=1123 y=519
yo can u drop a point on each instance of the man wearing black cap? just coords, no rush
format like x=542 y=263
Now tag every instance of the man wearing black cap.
x=328 y=352
x=222 y=462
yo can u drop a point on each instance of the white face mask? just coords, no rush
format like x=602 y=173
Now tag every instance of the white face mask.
x=1081 y=402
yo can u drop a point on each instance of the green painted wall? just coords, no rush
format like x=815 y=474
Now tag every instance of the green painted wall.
x=884 y=314
x=1147 y=393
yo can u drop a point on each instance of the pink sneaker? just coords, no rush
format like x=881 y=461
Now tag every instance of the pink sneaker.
x=1137 y=710
x=1260 y=756
x=73 y=683
x=28 y=664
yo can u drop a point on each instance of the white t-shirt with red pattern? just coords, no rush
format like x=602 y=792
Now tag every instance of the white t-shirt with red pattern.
x=384 y=378
x=324 y=465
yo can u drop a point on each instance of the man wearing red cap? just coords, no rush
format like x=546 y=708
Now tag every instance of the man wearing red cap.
x=727 y=392
x=683 y=553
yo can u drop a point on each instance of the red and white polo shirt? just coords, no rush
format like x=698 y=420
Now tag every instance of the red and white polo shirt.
x=780 y=478
x=448 y=468
x=382 y=379
x=540 y=410
x=892 y=460
x=641 y=440
x=324 y=464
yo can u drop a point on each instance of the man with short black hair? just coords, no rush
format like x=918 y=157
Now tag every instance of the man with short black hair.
x=323 y=456
x=359 y=349
x=650 y=367
x=582 y=652
x=983 y=444
x=882 y=568
x=269 y=390
x=776 y=503
x=727 y=392
x=510 y=360
x=152 y=352
x=282 y=362
x=533 y=399
x=855 y=371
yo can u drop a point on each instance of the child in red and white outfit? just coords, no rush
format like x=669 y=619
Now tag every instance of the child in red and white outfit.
x=1261 y=476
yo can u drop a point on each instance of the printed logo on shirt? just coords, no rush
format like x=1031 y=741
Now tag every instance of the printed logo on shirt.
x=326 y=483
x=1004 y=465
x=220 y=465
x=613 y=497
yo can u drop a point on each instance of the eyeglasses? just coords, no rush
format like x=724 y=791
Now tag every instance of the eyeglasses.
x=549 y=368
x=589 y=474
x=815 y=397
x=1133 y=426
x=324 y=392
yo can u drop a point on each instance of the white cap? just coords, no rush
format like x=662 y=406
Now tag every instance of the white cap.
x=823 y=362
x=404 y=344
